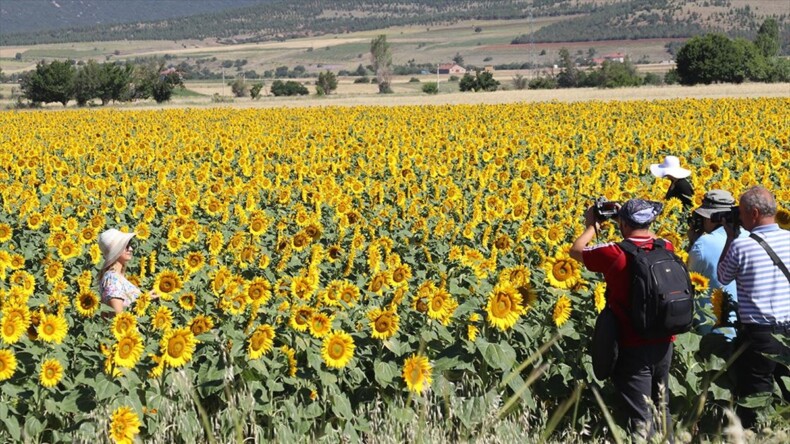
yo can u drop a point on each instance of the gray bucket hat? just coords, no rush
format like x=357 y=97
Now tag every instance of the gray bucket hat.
x=640 y=212
x=715 y=201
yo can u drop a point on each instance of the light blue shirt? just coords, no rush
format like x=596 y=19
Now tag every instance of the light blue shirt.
x=704 y=259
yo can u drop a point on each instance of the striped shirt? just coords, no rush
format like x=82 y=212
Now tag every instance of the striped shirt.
x=763 y=290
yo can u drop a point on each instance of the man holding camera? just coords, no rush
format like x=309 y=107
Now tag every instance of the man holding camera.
x=758 y=265
x=642 y=368
x=707 y=238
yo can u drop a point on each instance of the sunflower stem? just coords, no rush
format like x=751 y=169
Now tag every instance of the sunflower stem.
x=203 y=416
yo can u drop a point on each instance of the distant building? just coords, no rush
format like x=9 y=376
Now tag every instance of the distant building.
x=451 y=68
x=612 y=57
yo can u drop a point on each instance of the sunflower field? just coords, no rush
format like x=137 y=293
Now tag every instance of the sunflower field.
x=323 y=268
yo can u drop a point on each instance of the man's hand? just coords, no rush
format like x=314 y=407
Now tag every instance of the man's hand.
x=589 y=218
x=153 y=295
x=732 y=231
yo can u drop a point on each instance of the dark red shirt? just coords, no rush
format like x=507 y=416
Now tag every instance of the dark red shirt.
x=611 y=260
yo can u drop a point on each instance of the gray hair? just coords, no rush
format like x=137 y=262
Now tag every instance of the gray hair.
x=760 y=198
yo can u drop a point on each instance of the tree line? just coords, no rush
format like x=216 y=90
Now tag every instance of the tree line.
x=62 y=81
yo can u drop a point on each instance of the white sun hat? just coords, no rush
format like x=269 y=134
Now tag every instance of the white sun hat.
x=112 y=243
x=669 y=167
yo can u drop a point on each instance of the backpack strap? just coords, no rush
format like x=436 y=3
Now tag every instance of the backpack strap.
x=632 y=249
x=778 y=262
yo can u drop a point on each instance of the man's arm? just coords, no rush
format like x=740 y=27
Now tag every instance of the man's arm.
x=727 y=266
x=586 y=237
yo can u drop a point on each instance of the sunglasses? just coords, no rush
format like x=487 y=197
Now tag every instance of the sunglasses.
x=130 y=246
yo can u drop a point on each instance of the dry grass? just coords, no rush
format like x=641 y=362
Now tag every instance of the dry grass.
x=455 y=98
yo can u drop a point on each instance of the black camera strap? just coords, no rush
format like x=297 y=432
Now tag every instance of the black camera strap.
x=778 y=262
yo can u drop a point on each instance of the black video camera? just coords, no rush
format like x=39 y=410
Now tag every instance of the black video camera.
x=605 y=209
x=732 y=216
x=696 y=223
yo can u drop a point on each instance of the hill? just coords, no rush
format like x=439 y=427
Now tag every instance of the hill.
x=246 y=21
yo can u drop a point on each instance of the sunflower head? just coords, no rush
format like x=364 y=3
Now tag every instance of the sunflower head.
x=177 y=346
x=383 y=323
x=504 y=307
x=87 y=303
x=261 y=341
x=338 y=349
x=562 y=311
x=7 y=364
x=417 y=373
x=124 y=425
x=51 y=373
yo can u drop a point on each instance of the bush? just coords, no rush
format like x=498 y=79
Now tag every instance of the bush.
x=238 y=87
x=652 y=78
x=453 y=79
x=216 y=98
x=255 y=91
x=546 y=82
x=519 y=82
x=362 y=79
x=481 y=81
x=414 y=80
x=289 y=88
x=430 y=88
x=672 y=77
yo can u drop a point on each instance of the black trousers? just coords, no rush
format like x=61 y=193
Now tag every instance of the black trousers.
x=755 y=371
x=641 y=376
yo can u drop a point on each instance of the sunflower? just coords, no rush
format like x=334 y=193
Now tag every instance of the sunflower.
x=162 y=319
x=517 y=276
x=699 y=282
x=348 y=293
x=122 y=323
x=177 y=346
x=167 y=283
x=187 y=301
x=300 y=317
x=400 y=275
x=378 y=282
x=599 y=294
x=334 y=253
x=87 y=303
x=12 y=329
x=383 y=323
x=504 y=307
x=52 y=328
x=302 y=287
x=259 y=290
x=124 y=426
x=193 y=262
x=300 y=241
x=261 y=341
x=783 y=218
x=5 y=232
x=259 y=223
x=562 y=272
x=320 y=325
x=338 y=349
x=128 y=350
x=201 y=324
x=69 y=249
x=53 y=271
x=562 y=311
x=7 y=364
x=717 y=298
x=417 y=373
x=51 y=373
x=440 y=304
x=471 y=329
x=290 y=355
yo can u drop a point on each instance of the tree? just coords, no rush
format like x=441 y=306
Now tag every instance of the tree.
x=481 y=81
x=52 y=82
x=381 y=58
x=87 y=82
x=568 y=76
x=519 y=82
x=326 y=83
x=255 y=91
x=114 y=81
x=716 y=58
x=289 y=88
x=458 y=59
x=238 y=87
x=768 y=38
x=618 y=74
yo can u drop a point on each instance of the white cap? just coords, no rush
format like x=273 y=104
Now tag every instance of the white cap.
x=670 y=167
x=112 y=243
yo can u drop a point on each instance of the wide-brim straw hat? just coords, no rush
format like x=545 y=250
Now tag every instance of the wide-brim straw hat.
x=112 y=244
x=669 y=167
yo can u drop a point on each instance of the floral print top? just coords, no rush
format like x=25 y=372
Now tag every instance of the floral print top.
x=113 y=285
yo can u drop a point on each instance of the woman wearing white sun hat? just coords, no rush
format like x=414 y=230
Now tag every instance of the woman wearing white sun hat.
x=680 y=188
x=116 y=291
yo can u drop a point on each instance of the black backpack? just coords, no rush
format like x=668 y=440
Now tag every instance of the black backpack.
x=662 y=296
